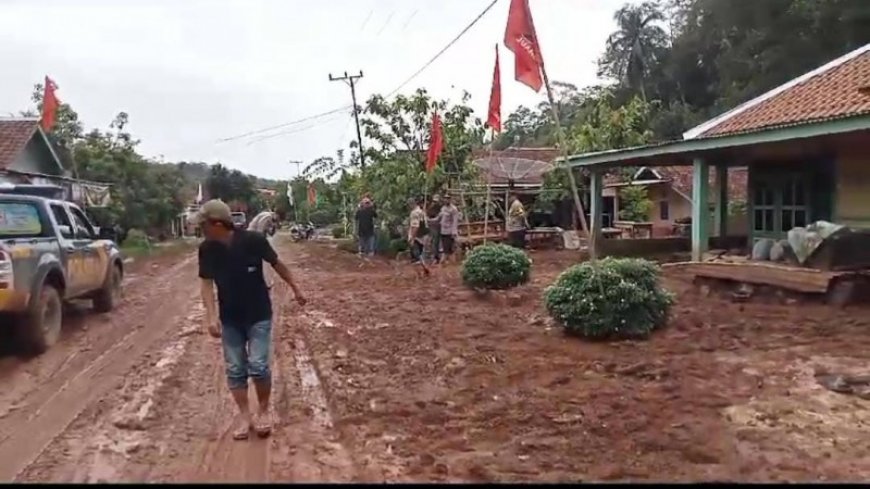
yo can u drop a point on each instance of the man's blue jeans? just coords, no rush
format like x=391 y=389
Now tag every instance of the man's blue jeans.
x=367 y=245
x=246 y=352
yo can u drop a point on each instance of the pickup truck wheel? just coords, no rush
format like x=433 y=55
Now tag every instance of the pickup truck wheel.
x=40 y=328
x=110 y=295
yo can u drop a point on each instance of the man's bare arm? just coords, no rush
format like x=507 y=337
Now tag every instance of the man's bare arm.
x=206 y=288
x=284 y=272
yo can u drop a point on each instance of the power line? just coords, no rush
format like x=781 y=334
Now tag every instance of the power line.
x=387 y=22
x=365 y=22
x=390 y=94
x=409 y=20
x=291 y=131
x=286 y=124
x=445 y=48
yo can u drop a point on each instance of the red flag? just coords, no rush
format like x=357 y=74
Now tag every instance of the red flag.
x=49 y=105
x=436 y=144
x=494 y=119
x=520 y=38
x=312 y=194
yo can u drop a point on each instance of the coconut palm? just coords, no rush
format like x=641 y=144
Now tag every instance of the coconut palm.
x=632 y=49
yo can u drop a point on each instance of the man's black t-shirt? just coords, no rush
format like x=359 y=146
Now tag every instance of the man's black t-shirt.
x=237 y=270
x=365 y=218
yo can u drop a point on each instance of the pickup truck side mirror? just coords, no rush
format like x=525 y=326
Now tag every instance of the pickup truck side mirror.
x=65 y=231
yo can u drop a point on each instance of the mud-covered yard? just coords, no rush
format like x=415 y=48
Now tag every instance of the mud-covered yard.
x=385 y=376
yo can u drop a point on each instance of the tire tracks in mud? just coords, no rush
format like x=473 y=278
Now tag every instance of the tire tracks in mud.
x=154 y=406
x=92 y=370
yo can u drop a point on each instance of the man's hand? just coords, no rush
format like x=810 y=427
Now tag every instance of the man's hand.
x=214 y=328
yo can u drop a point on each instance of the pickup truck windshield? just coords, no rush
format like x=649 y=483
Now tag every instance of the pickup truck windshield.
x=19 y=220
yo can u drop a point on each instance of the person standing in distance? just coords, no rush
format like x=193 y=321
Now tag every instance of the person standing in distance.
x=517 y=223
x=449 y=217
x=232 y=259
x=365 y=226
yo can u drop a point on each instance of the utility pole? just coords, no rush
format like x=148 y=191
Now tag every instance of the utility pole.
x=290 y=182
x=350 y=79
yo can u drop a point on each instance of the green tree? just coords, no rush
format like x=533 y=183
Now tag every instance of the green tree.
x=398 y=131
x=634 y=204
x=631 y=51
x=602 y=128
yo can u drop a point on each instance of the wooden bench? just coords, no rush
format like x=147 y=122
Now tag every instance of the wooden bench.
x=471 y=234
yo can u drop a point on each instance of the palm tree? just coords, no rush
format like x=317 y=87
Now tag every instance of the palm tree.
x=632 y=49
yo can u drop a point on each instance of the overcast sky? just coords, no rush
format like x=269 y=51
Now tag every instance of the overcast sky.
x=190 y=72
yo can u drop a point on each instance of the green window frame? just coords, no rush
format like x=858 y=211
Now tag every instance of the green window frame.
x=780 y=201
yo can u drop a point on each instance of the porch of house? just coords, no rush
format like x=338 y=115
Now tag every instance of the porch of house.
x=796 y=176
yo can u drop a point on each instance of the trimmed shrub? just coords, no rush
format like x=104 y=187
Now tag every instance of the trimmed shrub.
x=349 y=245
x=137 y=239
x=495 y=267
x=610 y=299
x=338 y=231
x=396 y=246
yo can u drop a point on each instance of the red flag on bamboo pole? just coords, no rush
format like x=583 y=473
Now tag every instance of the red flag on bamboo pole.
x=312 y=194
x=436 y=144
x=521 y=39
x=494 y=118
x=49 y=105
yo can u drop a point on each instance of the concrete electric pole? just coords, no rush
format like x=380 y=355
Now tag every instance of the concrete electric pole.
x=351 y=80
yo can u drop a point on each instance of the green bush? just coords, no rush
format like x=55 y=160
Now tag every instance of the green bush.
x=495 y=267
x=322 y=218
x=338 y=231
x=137 y=239
x=349 y=245
x=610 y=299
x=396 y=246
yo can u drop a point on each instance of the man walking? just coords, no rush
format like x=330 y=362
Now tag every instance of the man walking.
x=365 y=226
x=263 y=223
x=417 y=232
x=516 y=223
x=232 y=259
x=449 y=226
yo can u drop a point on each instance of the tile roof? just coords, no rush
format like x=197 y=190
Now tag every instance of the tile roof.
x=14 y=135
x=837 y=90
x=680 y=178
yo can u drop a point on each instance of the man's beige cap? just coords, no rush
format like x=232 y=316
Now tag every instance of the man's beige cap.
x=214 y=210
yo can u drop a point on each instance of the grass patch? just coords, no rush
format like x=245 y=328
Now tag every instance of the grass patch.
x=145 y=250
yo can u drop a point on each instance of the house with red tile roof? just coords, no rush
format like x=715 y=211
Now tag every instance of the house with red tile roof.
x=25 y=149
x=805 y=145
x=28 y=157
x=669 y=189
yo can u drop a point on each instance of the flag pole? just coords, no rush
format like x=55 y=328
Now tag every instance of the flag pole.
x=488 y=190
x=563 y=147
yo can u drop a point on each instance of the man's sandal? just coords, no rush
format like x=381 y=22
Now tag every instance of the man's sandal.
x=263 y=425
x=242 y=431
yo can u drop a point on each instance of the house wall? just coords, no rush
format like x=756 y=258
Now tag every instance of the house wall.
x=678 y=207
x=36 y=158
x=852 y=201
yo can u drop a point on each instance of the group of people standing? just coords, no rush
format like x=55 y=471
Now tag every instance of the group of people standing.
x=432 y=231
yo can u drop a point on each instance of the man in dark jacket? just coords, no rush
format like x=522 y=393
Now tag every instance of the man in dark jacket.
x=365 y=226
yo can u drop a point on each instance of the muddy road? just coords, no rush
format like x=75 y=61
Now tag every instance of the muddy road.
x=384 y=377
